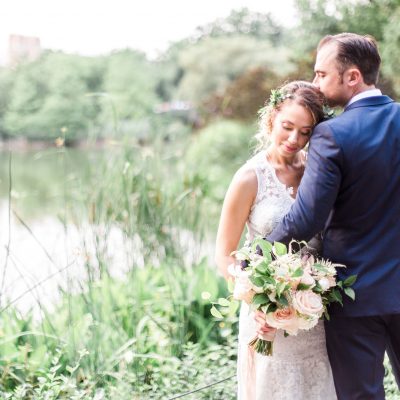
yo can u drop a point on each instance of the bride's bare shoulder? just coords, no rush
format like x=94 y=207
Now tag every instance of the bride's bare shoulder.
x=246 y=177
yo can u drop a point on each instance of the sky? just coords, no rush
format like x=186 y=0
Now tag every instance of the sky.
x=91 y=27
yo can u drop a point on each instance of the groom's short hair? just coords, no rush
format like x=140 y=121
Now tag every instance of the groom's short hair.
x=357 y=50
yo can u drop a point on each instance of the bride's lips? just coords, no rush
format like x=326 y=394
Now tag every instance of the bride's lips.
x=289 y=148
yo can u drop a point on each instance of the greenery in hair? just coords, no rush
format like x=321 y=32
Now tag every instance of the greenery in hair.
x=277 y=97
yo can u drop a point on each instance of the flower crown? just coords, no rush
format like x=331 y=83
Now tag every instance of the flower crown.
x=278 y=96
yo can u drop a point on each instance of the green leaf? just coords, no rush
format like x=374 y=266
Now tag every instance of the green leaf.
x=303 y=286
x=282 y=300
x=265 y=308
x=215 y=313
x=336 y=296
x=260 y=298
x=269 y=280
x=298 y=273
x=231 y=286
x=256 y=281
x=223 y=302
x=280 y=249
x=265 y=246
x=350 y=292
x=280 y=287
x=224 y=310
x=233 y=307
x=320 y=267
x=262 y=268
x=350 y=280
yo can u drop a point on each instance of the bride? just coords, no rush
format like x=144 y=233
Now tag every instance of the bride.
x=260 y=194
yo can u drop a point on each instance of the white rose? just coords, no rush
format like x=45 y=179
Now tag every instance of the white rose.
x=307 y=279
x=308 y=303
x=307 y=323
x=324 y=283
x=332 y=281
x=284 y=318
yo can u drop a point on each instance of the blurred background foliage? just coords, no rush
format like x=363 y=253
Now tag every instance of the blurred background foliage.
x=225 y=69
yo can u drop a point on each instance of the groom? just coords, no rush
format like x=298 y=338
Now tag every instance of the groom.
x=351 y=192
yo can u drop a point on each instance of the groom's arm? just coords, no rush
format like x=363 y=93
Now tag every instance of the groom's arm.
x=317 y=191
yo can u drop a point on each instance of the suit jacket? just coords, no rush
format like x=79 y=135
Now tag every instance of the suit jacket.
x=351 y=191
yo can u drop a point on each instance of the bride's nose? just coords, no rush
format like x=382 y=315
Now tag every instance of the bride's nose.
x=293 y=137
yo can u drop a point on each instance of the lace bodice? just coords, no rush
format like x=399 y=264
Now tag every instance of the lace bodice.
x=299 y=368
x=273 y=198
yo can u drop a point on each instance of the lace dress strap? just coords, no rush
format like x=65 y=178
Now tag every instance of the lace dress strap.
x=268 y=183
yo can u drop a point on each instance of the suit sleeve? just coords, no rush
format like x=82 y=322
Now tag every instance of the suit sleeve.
x=317 y=191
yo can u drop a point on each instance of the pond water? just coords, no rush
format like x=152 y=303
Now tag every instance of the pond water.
x=41 y=250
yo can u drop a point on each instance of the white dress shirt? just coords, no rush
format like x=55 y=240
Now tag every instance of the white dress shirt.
x=364 y=95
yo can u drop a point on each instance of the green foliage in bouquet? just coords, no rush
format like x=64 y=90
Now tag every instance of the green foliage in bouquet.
x=291 y=288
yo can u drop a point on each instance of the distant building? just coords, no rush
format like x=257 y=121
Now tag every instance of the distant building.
x=23 y=48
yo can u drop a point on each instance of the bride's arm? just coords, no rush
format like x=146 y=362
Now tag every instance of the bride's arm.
x=235 y=211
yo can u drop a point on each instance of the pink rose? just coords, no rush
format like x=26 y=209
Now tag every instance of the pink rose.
x=284 y=318
x=243 y=289
x=308 y=303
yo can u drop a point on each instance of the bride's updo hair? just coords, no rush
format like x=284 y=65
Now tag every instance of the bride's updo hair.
x=303 y=93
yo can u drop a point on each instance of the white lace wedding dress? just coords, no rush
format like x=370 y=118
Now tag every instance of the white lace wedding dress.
x=299 y=368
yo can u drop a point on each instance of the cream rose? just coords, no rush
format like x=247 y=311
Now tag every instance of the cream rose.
x=332 y=281
x=324 y=283
x=308 y=323
x=284 y=318
x=307 y=279
x=308 y=303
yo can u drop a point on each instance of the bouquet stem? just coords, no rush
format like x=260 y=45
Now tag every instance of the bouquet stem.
x=264 y=347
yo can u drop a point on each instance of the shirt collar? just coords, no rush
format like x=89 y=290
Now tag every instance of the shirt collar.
x=364 y=95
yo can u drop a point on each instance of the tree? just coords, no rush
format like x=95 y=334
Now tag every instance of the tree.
x=49 y=97
x=244 y=96
x=210 y=65
x=243 y=22
x=131 y=80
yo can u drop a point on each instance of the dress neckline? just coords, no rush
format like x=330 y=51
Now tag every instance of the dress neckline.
x=287 y=189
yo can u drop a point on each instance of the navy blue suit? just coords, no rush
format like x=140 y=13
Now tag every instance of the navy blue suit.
x=351 y=192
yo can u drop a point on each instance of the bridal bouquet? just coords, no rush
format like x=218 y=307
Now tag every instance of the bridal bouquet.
x=292 y=290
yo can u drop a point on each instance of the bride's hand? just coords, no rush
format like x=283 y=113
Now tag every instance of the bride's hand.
x=264 y=330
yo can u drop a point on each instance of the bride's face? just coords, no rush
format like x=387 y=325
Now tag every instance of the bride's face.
x=291 y=129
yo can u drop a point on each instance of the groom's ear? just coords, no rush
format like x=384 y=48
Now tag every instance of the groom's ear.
x=354 y=77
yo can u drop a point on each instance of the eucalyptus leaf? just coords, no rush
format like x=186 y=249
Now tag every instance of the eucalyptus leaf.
x=298 y=273
x=215 y=313
x=303 y=286
x=280 y=249
x=224 y=302
x=336 y=296
x=350 y=292
x=260 y=298
x=264 y=245
x=282 y=300
x=350 y=280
